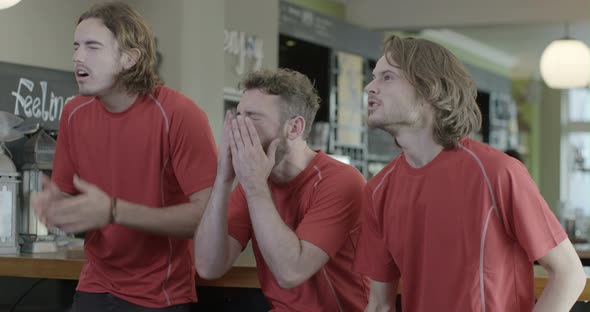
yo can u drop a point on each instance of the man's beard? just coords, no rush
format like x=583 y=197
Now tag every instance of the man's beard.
x=282 y=149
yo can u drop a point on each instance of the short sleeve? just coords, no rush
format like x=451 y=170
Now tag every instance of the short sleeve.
x=373 y=258
x=193 y=151
x=238 y=217
x=333 y=212
x=63 y=166
x=526 y=216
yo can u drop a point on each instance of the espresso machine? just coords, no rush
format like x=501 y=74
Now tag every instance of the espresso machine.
x=38 y=156
x=9 y=188
x=9 y=179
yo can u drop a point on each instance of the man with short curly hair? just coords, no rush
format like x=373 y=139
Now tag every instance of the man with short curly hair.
x=299 y=207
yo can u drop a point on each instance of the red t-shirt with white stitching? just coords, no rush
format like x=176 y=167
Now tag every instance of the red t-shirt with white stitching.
x=321 y=205
x=462 y=232
x=156 y=153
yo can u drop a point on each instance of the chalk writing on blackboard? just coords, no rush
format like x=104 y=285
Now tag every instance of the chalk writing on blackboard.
x=30 y=103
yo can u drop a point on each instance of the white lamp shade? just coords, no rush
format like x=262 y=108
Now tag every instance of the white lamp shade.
x=566 y=64
x=4 y=4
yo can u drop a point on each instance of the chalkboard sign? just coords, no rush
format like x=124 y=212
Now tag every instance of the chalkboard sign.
x=36 y=94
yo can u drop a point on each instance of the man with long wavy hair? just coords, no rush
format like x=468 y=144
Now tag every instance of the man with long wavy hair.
x=133 y=168
x=458 y=221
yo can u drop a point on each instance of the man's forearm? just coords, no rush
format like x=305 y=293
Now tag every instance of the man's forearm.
x=211 y=238
x=561 y=292
x=279 y=245
x=179 y=221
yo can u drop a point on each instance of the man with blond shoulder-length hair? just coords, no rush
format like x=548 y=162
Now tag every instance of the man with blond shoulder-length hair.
x=458 y=221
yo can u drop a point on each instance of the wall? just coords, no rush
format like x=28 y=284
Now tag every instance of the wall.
x=549 y=147
x=527 y=95
x=246 y=16
x=162 y=17
x=200 y=58
x=28 y=39
x=190 y=36
x=461 y=49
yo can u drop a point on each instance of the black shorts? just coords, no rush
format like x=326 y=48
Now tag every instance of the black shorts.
x=89 y=302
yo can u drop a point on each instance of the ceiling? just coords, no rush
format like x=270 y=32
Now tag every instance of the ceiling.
x=520 y=28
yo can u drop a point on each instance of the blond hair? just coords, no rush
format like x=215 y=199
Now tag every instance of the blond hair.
x=442 y=81
x=295 y=89
x=131 y=32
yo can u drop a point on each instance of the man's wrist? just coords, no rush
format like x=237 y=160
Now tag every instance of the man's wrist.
x=224 y=180
x=257 y=191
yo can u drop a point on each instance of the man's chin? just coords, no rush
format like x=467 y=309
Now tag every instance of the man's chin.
x=84 y=92
x=374 y=124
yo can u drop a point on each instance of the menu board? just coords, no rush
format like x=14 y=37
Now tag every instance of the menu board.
x=36 y=94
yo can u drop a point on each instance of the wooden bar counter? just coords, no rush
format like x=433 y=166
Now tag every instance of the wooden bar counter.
x=583 y=251
x=67 y=264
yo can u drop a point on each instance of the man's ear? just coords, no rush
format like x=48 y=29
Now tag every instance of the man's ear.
x=296 y=127
x=130 y=58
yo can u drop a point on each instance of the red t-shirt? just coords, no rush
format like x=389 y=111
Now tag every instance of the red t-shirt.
x=462 y=232
x=156 y=153
x=322 y=206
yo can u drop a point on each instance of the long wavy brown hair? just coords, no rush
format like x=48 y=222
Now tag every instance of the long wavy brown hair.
x=442 y=81
x=131 y=32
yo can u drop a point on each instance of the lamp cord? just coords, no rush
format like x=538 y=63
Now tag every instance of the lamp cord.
x=567 y=31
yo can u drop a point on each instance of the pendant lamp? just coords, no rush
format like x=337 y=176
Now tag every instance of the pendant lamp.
x=5 y=4
x=565 y=64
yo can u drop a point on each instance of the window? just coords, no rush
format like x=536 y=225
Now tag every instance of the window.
x=579 y=105
x=578 y=170
x=575 y=191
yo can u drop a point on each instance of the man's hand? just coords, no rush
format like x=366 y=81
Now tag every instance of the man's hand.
x=225 y=168
x=90 y=209
x=43 y=200
x=251 y=164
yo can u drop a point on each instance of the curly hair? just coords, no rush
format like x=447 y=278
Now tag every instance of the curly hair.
x=131 y=32
x=295 y=89
x=441 y=80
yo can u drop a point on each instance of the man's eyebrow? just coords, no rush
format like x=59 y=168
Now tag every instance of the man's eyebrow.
x=250 y=113
x=383 y=72
x=89 y=42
